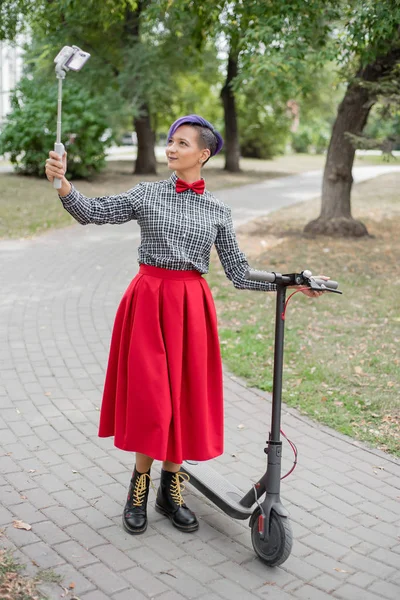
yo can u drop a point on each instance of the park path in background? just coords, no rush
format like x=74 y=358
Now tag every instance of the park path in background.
x=59 y=294
x=258 y=199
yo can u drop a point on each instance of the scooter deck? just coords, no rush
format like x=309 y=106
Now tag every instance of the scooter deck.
x=218 y=489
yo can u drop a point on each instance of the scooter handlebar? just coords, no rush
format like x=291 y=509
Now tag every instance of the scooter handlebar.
x=332 y=285
x=304 y=278
x=254 y=275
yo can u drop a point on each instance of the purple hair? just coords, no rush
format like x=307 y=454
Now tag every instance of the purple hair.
x=197 y=120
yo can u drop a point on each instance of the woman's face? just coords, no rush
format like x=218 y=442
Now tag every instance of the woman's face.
x=183 y=151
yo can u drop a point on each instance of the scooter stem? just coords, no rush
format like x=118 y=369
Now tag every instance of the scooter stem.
x=278 y=364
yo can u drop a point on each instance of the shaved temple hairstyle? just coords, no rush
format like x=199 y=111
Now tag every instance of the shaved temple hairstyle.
x=208 y=136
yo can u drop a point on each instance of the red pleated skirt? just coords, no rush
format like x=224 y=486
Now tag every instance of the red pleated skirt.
x=163 y=389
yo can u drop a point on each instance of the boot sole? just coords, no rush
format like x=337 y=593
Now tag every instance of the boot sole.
x=133 y=531
x=187 y=529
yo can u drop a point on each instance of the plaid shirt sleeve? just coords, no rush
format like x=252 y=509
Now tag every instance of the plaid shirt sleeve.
x=106 y=209
x=233 y=260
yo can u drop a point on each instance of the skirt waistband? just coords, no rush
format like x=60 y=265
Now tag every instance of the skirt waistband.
x=168 y=273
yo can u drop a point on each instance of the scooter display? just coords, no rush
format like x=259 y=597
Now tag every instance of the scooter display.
x=271 y=531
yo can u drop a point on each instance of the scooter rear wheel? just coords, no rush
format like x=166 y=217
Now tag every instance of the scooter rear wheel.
x=277 y=548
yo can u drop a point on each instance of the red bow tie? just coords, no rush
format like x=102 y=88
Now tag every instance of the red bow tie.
x=197 y=186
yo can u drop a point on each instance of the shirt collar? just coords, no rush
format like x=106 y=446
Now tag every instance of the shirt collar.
x=173 y=179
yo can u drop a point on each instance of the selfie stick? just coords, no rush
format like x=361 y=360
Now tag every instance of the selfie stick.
x=70 y=58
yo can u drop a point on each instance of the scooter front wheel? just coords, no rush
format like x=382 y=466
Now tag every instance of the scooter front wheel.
x=276 y=549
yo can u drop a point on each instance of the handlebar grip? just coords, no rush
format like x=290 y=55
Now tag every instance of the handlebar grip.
x=253 y=275
x=59 y=148
x=333 y=285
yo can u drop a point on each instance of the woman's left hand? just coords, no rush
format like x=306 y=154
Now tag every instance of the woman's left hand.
x=315 y=293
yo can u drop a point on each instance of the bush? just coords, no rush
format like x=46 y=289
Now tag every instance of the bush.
x=263 y=132
x=30 y=129
x=311 y=138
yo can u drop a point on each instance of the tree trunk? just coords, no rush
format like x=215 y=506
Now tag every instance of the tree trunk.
x=146 y=161
x=232 y=149
x=335 y=218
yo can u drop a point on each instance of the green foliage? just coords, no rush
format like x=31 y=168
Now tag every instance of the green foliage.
x=264 y=130
x=312 y=137
x=30 y=130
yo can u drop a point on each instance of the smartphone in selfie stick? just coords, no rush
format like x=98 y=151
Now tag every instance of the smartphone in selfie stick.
x=70 y=58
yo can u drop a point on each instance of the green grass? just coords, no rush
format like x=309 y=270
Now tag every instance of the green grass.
x=341 y=352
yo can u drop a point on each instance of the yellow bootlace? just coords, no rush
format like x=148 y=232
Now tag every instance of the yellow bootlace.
x=140 y=488
x=178 y=486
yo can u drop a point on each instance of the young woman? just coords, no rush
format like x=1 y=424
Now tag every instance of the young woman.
x=163 y=396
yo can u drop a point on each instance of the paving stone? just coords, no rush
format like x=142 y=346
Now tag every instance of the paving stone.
x=75 y=553
x=150 y=560
x=140 y=579
x=60 y=515
x=27 y=512
x=21 y=481
x=364 y=563
x=277 y=576
x=327 y=583
x=329 y=565
x=70 y=500
x=95 y=595
x=92 y=517
x=361 y=579
x=309 y=592
x=128 y=595
x=325 y=546
x=384 y=589
x=50 y=533
x=43 y=555
x=171 y=595
x=105 y=579
x=164 y=546
x=239 y=574
x=70 y=576
x=8 y=465
x=351 y=592
x=205 y=554
x=114 y=558
x=387 y=557
x=21 y=537
x=230 y=590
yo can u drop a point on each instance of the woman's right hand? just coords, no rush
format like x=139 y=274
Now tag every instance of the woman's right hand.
x=56 y=166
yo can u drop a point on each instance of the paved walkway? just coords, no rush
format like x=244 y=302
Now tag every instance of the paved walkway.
x=58 y=298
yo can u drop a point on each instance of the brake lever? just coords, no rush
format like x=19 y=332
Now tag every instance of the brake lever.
x=313 y=285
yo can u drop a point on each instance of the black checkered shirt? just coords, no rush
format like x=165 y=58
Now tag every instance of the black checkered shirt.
x=177 y=230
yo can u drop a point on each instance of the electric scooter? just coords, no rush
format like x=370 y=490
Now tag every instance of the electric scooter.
x=271 y=531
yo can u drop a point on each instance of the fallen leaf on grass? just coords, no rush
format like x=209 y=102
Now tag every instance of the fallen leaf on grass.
x=358 y=370
x=21 y=525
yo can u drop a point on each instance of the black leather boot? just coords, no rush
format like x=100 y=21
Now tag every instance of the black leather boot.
x=134 y=518
x=170 y=502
